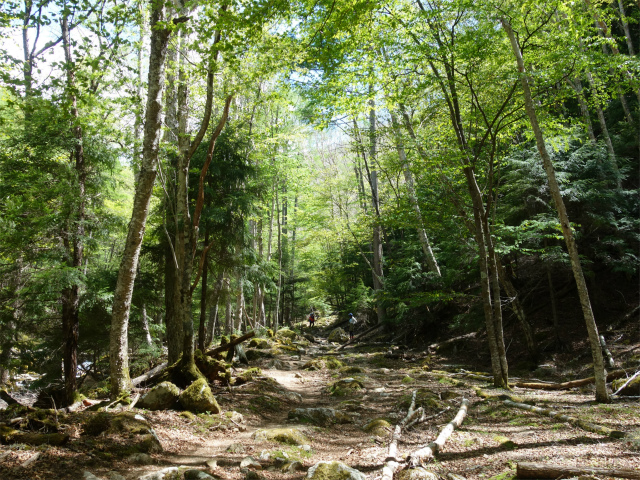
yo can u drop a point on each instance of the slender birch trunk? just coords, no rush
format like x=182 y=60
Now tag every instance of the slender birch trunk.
x=600 y=374
x=118 y=350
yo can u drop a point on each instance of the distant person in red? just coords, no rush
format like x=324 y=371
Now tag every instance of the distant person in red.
x=312 y=319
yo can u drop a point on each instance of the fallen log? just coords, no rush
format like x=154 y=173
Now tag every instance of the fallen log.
x=576 y=422
x=572 y=384
x=391 y=464
x=150 y=375
x=421 y=456
x=359 y=336
x=4 y=395
x=544 y=470
x=438 y=346
x=33 y=438
x=227 y=346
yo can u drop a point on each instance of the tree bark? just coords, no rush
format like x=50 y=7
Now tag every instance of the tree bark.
x=118 y=350
x=202 y=332
x=602 y=395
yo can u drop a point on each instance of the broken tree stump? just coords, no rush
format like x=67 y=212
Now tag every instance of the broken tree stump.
x=544 y=470
x=576 y=422
x=421 y=456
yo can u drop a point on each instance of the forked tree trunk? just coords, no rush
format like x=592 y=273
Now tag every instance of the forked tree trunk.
x=119 y=346
x=602 y=395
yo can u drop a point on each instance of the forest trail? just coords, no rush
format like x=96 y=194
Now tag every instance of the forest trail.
x=490 y=443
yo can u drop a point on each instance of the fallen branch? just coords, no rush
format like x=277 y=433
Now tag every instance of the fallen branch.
x=567 y=385
x=589 y=427
x=438 y=346
x=227 y=346
x=359 y=336
x=424 y=418
x=627 y=383
x=150 y=375
x=391 y=464
x=543 y=470
x=421 y=456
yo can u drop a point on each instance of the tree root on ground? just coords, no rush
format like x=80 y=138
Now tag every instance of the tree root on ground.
x=543 y=470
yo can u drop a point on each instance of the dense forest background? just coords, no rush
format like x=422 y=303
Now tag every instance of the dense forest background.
x=396 y=160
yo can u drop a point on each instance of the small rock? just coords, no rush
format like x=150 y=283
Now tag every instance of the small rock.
x=212 y=464
x=89 y=476
x=250 y=462
x=236 y=448
x=265 y=456
x=252 y=475
x=140 y=458
x=325 y=470
x=293 y=467
x=417 y=474
x=305 y=448
x=193 y=474
x=290 y=436
x=170 y=473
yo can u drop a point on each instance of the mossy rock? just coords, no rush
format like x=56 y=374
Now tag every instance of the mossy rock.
x=256 y=354
x=286 y=333
x=258 y=342
x=378 y=427
x=338 y=335
x=269 y=333
x=161 y=397
x=333 y=471
x=250 y=374
x=97 y=423
x=130 y=423
x=314 y=364
x=7 y=433
x=631 y=390
x=344 y=387
x=407 y=380
x=199 y=398
x=449 y=395
x=266 y=403
x=289 y=436
x=350 y=370
x=333 y=363
x=212 y=368
x=426 y=399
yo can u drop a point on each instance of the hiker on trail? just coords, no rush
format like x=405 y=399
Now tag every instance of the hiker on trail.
x=312 y=319
x=352 y=325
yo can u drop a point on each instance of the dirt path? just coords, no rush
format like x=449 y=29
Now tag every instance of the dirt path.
x=490 y=443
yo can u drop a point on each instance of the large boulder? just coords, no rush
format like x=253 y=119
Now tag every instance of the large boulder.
x=333 y=471
x=286 y=333
x=141 y=438
x=199 y=398
x=320 y=416
x=338 y=335
x=290 y=436
x=161 y=397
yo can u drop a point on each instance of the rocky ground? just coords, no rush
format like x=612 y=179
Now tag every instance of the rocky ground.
x=310 y=403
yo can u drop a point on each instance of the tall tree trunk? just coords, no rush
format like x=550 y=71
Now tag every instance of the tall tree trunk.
x=213 y=312
x=411 y=190
x=228 y=319
x=584 y=109
x=276 y=318
x=74 y=244
x=118 y=349
x=378 y=255
x=600 y=374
